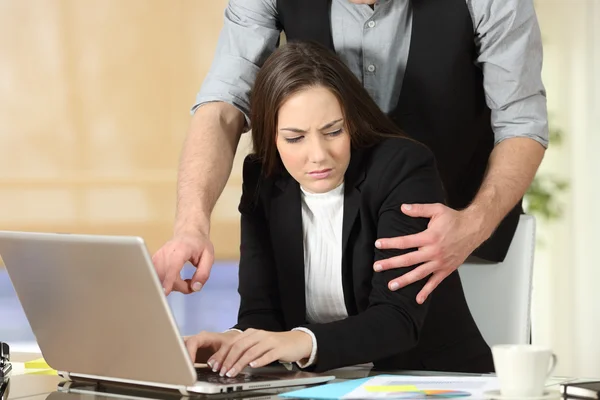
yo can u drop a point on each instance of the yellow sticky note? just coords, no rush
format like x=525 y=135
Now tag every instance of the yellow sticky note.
x=41 y=372
x=391 y=388
x=39 y=363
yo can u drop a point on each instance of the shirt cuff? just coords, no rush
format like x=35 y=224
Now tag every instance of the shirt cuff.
x=313 y=353
x=233 y=329
x=242 y=109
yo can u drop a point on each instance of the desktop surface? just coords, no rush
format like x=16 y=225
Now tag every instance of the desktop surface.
x=53 y=387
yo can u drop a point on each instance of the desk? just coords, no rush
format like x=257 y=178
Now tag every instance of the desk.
x=46 y=387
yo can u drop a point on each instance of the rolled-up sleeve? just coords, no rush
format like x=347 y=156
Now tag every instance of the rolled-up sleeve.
x=249 y=35
x=509 y=44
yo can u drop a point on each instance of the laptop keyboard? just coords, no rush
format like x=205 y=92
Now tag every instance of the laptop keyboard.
x=206 y=375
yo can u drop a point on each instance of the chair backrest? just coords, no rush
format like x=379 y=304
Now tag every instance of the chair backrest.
x=499 y=294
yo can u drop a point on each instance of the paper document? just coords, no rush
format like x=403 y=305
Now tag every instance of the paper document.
x=403 y=386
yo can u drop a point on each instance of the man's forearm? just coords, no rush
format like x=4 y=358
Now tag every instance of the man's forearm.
x=512 y=167
x=206 y=162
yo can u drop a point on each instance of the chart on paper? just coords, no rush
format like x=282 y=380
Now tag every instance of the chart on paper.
x=388 y=386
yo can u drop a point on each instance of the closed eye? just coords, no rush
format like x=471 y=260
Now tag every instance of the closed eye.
x=294 y=139
x=335 y=133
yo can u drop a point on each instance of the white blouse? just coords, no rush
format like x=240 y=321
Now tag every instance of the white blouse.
x=322 y=221
x=322 y=216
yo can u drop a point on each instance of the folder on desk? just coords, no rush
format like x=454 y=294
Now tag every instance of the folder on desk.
x=327 y=391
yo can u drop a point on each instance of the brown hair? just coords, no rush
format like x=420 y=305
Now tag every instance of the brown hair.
x=300 y=65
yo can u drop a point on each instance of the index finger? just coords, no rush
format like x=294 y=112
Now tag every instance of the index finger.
x=174 y=265
x=159 y=265
x=182 y=285
x=413 y=241
x=193 y=344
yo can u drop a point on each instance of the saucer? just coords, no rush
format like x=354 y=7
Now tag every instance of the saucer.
x=548 y=394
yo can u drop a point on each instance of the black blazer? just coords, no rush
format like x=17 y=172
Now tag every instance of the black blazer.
x=384 y=327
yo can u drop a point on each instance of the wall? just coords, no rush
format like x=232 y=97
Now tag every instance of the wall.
x=567 y=271
x=94 y=106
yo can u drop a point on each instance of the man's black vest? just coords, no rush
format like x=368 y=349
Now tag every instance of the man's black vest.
x=442 y=102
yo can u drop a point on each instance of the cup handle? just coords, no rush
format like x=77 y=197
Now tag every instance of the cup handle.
x=552 y=366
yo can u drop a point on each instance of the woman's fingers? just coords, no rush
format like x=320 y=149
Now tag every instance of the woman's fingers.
x=266 y=359
x=216 y=360
x=196 y=342
x=238 y=348
x=250 y=355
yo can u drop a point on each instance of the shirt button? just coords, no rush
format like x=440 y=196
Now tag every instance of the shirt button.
x=371 y=68
x=371 y=24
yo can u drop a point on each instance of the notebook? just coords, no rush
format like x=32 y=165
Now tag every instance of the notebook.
x=585 y=390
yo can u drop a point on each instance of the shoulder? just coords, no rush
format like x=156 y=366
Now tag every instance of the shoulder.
x=253 y=184
x=260 y=7
x=257 y=188
x=402 y=164
x=252 y=169
x=401 y=168
x=495 y=18
x=398 y=155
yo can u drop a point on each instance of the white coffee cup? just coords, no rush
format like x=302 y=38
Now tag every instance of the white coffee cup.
x=522 y=370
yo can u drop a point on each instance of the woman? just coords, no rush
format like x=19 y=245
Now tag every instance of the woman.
x=327 y=177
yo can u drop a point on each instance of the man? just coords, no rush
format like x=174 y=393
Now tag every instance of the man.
x=461 y=76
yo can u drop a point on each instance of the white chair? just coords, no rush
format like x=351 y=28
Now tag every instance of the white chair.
x=499 y=294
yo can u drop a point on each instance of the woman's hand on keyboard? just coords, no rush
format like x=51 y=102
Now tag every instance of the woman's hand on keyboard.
x=205 y=344
x=258 y=348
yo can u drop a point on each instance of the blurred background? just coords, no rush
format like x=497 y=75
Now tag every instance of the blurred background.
x=94 y=106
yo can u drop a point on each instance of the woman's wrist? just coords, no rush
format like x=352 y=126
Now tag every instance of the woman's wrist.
x=308 y=346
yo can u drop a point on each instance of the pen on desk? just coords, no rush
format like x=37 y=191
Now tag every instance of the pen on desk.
x=5 y=371
x=4 y=389
x=4 y=352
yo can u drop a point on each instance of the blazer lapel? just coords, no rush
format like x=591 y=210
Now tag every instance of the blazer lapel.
x=288 y=247
x=355 y=175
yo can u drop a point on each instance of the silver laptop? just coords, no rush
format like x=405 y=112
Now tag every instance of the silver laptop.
x=98 y=312
x=70 y=390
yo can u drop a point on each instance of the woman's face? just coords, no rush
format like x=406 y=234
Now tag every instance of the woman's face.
x=312 y=139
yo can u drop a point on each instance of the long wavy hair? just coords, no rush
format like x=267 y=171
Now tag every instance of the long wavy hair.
x=301 y=65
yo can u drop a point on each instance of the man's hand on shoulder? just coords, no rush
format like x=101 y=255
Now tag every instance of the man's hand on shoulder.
x=450 y=237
